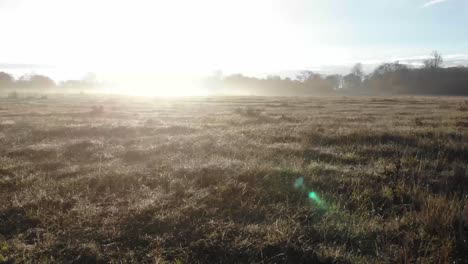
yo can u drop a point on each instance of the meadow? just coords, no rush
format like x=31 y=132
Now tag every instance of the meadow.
x=114 y=179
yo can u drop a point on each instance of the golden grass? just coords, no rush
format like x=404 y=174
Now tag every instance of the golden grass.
x=87 y=179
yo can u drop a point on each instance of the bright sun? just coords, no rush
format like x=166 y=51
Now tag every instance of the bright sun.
x=121 y=39
x=151 y=84
x=176 y=35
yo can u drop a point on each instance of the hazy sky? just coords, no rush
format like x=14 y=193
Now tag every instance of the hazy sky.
x=234 y=35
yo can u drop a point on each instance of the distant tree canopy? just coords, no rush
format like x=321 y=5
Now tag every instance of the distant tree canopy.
x=386 y=79
x=389 y=78
x=431 y=79
x=306 y=83
x=35 y=81
x=88 y=82
x=6 y=80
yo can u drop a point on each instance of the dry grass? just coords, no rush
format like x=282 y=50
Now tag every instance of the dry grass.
x=86 y=179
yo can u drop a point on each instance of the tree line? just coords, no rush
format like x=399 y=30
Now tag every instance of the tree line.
x=37 y=81
x=387 y=79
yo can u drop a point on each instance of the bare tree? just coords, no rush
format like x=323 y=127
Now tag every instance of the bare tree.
x=434 y=62
x=304 y=76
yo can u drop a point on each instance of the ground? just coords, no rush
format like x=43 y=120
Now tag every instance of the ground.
x=87 y=178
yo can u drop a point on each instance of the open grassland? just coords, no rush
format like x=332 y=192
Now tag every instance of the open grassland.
x=87 y=179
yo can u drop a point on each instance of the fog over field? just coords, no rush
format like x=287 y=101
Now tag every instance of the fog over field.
x=216 y=131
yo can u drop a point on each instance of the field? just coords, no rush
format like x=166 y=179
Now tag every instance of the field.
x=99 y=179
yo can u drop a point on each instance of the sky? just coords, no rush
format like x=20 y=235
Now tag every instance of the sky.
x=246 y=36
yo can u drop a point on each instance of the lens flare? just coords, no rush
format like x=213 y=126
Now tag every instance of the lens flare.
x=313 y=196
x=299 y=183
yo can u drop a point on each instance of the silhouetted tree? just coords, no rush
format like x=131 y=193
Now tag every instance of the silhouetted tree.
x=314 y=83
x=6 y=80
x=389 y=78
x=304 y=76
x=357 y=70
x=436 y=61
x=35 y=81
x=353 y=81
x=89 y=81
x=335 y=81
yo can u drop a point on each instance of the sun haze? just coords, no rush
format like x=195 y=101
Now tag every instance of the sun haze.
x=253 y=37
x=233 y=131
